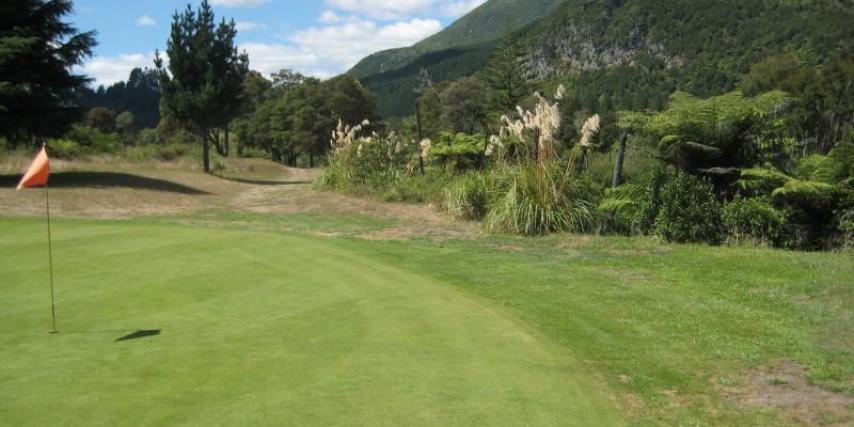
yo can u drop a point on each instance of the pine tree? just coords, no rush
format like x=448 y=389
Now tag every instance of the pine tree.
x=203 y=85
x=37 y=52
x=504 y=74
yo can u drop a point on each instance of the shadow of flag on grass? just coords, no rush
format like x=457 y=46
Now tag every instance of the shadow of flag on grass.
x=142 y=333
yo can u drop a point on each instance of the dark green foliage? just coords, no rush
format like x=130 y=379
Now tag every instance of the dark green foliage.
x=297 y=120
x=708 y=44
x=458 y=152
x=823 y=111
x=689 y=211
x=203 y=85
x=125 y=122
x=464 y=104
x=140 y=95
x=838 y=166
x=761 y=181
x=395 y=88
x=425 y=188
x=37 y=51
x=814 y=208
x=811 y=195
x=470 y=195
x=714 y=137
x=101 y=118
x=432 y=123
x=504 y=74
x=754 y=218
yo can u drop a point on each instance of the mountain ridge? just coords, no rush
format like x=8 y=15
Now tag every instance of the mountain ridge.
x=474 y=35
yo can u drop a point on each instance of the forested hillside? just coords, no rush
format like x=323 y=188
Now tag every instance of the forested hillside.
x=458 y=51
x=624 y=53
x=634 y=53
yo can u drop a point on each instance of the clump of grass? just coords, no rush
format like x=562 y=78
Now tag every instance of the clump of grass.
x=470 y=195
x=540 y=200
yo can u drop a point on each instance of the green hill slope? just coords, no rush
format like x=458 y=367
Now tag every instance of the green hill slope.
x=457 y=51
x=626 y=52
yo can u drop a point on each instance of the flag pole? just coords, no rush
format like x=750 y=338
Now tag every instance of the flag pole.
x=50 y=260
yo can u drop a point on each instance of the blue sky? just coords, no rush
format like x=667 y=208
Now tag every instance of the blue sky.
x=317 y=37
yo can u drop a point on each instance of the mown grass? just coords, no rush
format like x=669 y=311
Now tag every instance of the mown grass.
x=261 y=328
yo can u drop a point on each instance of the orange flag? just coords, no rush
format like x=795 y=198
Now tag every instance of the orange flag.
x=38 y=172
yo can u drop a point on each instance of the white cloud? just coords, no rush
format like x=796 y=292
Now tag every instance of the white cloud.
x=269 y=58
x=328 y=50
x=107 y=70
x=247 y=26
x=383 y=9
x=146 y=21
x=238 y=3
x=329 y=17
x=459 y=8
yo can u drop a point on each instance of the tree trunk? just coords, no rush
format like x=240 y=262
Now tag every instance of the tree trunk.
x=222 y=147
x=618 y=164
x=206 y=155
x=420 y=136
x=311 y=160
x=227 y=145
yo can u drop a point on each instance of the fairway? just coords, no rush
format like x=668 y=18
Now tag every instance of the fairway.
x=262 y=328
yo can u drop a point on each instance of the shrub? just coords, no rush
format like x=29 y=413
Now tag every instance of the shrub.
x=621 y=208
x=64 y=148
x=427 y=188
x=808 y=195
x=539 y=199
x=754 y=218
x=162 y=152
x=761 y=181
x=689 y=211
x=458 y=152
x=846 y=229
x=469 y=196
x=94 y=141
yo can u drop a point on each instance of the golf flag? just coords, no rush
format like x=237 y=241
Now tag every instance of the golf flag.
x=36 y=176
x=38 y=172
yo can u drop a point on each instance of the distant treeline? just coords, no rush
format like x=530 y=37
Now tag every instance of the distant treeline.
x=139 y=95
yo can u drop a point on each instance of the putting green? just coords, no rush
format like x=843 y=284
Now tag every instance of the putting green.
x=261 y=329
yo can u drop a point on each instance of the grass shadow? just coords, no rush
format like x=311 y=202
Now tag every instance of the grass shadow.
x=261 y=181
x=108 y=180
x=142 y=333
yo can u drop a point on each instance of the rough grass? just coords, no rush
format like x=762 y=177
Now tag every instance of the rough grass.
x=670 y=327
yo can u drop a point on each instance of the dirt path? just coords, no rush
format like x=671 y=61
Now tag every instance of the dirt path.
x=114 y=190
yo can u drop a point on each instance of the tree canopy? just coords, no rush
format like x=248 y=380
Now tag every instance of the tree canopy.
x=202 y=85
x=37 y=52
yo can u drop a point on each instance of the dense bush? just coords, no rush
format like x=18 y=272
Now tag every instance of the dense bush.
x=93 y=141
x=64 y=149
x=756 y=219
x=458 y=152
x=427 y=188
x=162 y=152
x=689 y=211
x=469 y=196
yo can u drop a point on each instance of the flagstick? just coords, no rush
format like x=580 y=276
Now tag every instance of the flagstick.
x=50 y=260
